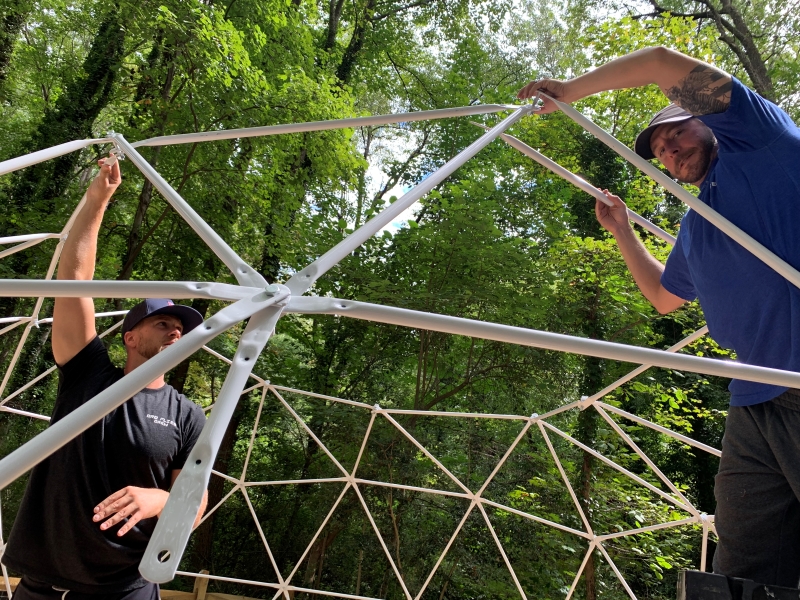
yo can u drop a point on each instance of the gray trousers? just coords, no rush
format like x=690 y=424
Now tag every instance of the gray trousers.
x=757 y=490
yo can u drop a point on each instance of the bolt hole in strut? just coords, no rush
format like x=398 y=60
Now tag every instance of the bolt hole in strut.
x=163 y=556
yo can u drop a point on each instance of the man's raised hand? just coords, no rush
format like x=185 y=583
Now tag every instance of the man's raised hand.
x=613 y=218
x=106 y=181
x=552 y=87
x=133 y=503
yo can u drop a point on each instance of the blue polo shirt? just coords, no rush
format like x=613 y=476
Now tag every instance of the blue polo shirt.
x=755 y=183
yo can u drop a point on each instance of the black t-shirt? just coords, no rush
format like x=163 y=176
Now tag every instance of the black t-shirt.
x=140 y=443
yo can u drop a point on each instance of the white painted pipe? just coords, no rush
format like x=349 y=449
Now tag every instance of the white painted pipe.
x=60 y=288
x=244 y=273
x=16 y=239
x=541 y=339
x=20 y=162
x=422 y=115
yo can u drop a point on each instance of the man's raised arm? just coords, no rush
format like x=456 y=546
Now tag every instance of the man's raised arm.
x=73 y=318
x=695 y=86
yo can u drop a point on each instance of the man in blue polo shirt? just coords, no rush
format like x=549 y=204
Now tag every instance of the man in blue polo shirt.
x=741 y=151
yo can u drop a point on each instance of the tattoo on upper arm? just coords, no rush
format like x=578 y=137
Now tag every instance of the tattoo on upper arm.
x=704 y=91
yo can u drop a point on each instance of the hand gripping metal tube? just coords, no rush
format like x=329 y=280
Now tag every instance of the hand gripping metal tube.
x=164 y=552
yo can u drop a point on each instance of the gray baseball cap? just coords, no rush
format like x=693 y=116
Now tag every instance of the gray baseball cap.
x=671 y=114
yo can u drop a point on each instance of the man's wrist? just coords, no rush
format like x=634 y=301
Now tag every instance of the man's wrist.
x=623 y=232
x=572 y=90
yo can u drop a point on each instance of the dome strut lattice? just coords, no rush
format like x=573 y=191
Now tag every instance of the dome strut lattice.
x=262 y=305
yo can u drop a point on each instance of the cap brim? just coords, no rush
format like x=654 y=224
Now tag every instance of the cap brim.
x=188 y=316
x=642 y=144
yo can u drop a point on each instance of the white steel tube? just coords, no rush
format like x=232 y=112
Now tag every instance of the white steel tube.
x=301 y=281
x=18 y=248
x=13 y=164
x=521 y=513
x=75 y=423
x=244 y=273
x=14 y=319
x=581 y=183
x=261 y=535
x=618 y=534
x=320 y=529
x=641 y=369
x=619 y=468
x=565 y=479
x=113 y=313
x=48 y=371
x=23 y=413
x=322 y=396
x=541 y=339
x=177 y=518
x=502 y=552
x=17 y=239
x=636 y=419
x=61 y=288
x=709 y=214
x=616 y=571
x=423 y=115
x=228 y=579
x=635 y=447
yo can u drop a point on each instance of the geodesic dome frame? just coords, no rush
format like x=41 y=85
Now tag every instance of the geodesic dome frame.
x=262 y=304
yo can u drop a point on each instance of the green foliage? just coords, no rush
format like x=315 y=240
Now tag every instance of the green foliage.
x=503 y=240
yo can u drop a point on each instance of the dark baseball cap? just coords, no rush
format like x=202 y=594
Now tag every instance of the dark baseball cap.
x=161 y=306
x=671 y=114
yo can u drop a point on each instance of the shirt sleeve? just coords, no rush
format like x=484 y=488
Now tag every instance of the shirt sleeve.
x=751 y=122
x=193 y=424
x=676 y=278
x=85 y=365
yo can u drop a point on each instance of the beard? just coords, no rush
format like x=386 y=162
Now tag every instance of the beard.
x=699 y=160
x=149 y=350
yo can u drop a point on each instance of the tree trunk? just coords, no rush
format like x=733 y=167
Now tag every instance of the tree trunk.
x=16 y=11
x=587 y=434
x=36 y=188
x=735 y=33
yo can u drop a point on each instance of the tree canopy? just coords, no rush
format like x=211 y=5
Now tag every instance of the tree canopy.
x=503 y=240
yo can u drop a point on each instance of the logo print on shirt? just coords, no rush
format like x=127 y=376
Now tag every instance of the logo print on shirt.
x=162 y=421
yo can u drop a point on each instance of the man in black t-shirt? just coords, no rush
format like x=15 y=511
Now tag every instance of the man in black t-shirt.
x=90 y=508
